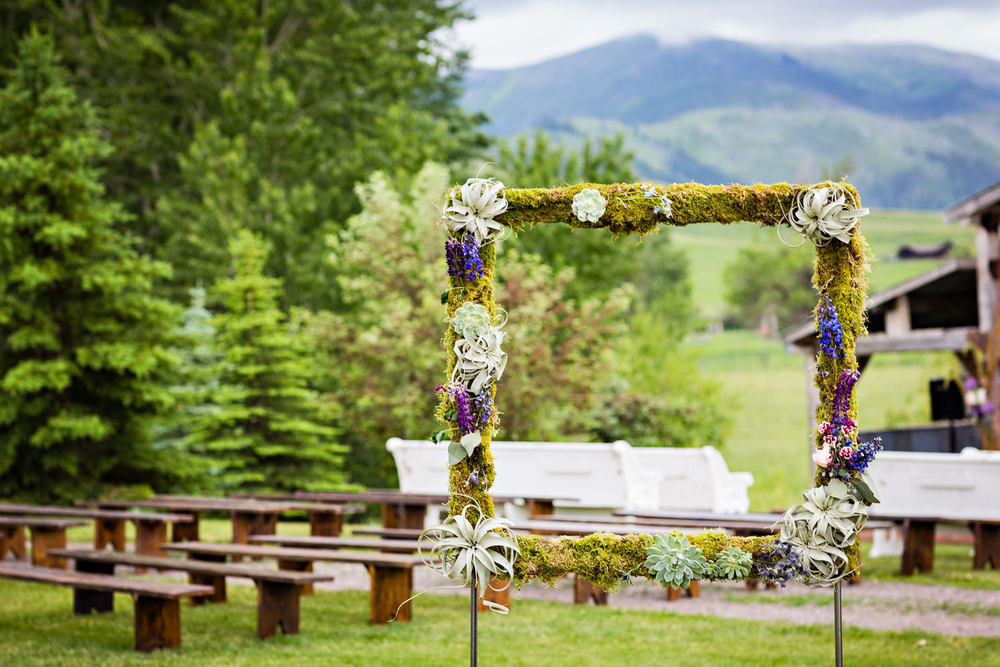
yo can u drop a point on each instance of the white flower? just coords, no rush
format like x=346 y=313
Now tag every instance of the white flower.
x=825 y=211
x=481 y=200
x=588 y=205
x=822 y=457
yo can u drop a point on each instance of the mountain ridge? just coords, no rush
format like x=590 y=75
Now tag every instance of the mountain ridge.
x=922 y=125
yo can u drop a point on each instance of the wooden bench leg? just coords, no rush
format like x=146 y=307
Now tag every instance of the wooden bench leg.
x=325 y=524
x=149 y=537
x=277 y=606
x=403 y=516
x=390 y=587
x=495 y=596
x=86 y=600
x=43 y=539
x=216 y=582
x=540 y=507
x=987 y=540
x=12 y=539
x=298 y=566
x=918 y=547
x=157 y=623
x=109 y=531
x=186 y=531
x=584 y=591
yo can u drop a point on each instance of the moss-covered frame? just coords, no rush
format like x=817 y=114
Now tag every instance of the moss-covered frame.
x=840 y=275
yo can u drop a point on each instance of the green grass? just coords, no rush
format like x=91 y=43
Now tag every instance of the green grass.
x=952 y=567
x=37 y=627
x=711 y=247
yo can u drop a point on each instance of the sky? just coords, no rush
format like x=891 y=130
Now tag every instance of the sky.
x=511 y=33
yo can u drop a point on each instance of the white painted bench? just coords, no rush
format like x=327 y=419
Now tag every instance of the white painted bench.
x=930 y=487
x=585 y=476
x=696 y=478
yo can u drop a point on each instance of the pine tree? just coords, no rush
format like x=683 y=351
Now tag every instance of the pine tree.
x=85 y=343
x=266 y=431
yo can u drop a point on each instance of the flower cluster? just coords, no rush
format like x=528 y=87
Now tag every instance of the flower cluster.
x=778 y=563
x=842 y=396
x=841 y=454
x=463 y=259
x=831 y=335
x=482 y=408
x=976 y=399
x=462 y=411
x=664 y=206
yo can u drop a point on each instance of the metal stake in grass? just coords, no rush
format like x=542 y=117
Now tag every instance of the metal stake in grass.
x=838 y=628
x=473 y=625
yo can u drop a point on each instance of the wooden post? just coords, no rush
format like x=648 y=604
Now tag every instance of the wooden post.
x=496 y=596
x=325 y=523
x=186 y=531
x=298 y=566
x=109 y=531
x=540 y=507
x=277 y=606
x=918 y=546
x=216 y=581
x=390 y=587
x=149 y=536
x=400 y=515
x=43 y=539
x=157 y=623
x=12 y=539
x=987 y=537
x=86 y=600
x=584 y=591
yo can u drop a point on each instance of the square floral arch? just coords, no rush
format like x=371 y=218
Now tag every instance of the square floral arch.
x=818 y=538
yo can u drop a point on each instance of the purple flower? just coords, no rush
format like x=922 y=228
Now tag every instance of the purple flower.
x=482 y=408
x=778 y=563
x=463 y=412
x=971 y=383
x=842 y=396
x=865 y=454
x=831 y=334
x=453 y=253
x=472 y=263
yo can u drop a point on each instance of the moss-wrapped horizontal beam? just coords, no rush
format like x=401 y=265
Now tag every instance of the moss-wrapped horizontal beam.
x=631 y=207
x=606 y=559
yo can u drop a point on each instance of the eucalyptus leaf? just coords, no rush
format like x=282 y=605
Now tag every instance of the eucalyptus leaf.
x=456 y=452
x=439 y=436
x=470 y=441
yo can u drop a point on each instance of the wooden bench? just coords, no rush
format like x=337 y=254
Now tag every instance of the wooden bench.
x=109 y=525
x=391 y=574
x=157 y=608
x=278 y=591
x=46 y=534
x=387 y=546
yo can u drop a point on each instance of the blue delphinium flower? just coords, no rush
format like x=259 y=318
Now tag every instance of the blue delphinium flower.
x=482 y=408
x=831 y=335
x=865 y=454
x=472 y=263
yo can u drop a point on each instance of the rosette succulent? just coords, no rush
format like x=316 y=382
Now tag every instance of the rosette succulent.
x=732 y=563
x=480 y=200
x=471 y=320
x=824 y=212
x=673 y=561
x=589 y=205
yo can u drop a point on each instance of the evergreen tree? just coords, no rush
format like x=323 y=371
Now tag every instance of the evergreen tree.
x=265 y=431
x=85 y=343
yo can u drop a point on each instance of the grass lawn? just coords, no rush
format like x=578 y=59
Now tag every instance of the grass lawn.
x=37 y=627
x=952 y=567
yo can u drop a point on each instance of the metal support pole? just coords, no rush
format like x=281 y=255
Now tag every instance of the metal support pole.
x=473 y=625
x=838 y=627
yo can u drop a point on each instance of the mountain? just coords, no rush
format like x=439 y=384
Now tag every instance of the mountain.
x=921 y=126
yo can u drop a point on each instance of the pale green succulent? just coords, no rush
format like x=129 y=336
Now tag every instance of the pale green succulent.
x=473 y=554
x=588 y=205
x=826 y=211
x=673 y=561
x=471 y=320
x=732 y=563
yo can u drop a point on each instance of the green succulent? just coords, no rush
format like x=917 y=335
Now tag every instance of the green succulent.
x=673 y=561
x=732 y=563
x=471 y=320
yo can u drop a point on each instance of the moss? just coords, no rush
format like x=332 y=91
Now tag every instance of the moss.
x=629 y=211
x=609 y=560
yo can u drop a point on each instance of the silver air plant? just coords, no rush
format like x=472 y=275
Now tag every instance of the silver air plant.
x=822 y=528
x=673 y=561
x=473 y=554
x=480 y=357
x=472 y=212
x=825 y=211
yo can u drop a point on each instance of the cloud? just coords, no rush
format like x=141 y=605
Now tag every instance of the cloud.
x=521 y=32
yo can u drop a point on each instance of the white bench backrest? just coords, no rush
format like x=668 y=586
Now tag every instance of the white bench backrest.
x=695 y=478
x=957 y=486
x=586 y=474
